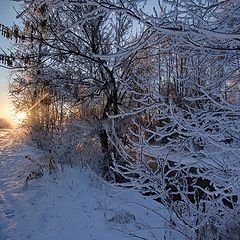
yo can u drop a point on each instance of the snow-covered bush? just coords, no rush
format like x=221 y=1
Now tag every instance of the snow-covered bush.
x=75 y=145
x=36 y=169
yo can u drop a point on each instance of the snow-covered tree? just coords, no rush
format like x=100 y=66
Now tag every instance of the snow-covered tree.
x=160 y=80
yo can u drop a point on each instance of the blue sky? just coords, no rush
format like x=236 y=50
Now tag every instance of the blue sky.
x=7 y=17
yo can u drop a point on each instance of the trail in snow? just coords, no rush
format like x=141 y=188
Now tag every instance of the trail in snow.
x=10 y=186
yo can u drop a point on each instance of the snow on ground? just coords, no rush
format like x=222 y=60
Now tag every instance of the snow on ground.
x=70 y=204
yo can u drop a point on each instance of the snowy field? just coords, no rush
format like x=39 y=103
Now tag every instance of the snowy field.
x=70 y=203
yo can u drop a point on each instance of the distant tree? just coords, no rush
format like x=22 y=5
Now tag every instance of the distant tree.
x=4 y=123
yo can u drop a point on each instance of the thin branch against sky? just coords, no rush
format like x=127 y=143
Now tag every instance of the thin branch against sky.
x=7 y=17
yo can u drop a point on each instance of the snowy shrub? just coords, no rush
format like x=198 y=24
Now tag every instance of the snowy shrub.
x=200 y=188
x=35 y=169
x=122 y=217
x=75 y=145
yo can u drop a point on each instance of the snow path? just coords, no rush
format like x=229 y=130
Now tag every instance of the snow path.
x=10 y=183
x=68 y=205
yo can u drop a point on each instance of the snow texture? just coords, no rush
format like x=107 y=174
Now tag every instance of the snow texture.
x=70 y=203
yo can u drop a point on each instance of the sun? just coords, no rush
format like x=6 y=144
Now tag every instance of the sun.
x=19 y=117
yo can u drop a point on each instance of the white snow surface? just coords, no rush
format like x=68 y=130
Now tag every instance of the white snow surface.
x=70 y=204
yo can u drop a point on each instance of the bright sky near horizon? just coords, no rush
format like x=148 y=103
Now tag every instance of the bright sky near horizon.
x=7 y=17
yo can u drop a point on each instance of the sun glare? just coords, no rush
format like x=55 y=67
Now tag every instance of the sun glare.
x=19 y=117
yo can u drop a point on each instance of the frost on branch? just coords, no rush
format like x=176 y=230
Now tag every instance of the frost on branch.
x=161 y=84
x=182 y=146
